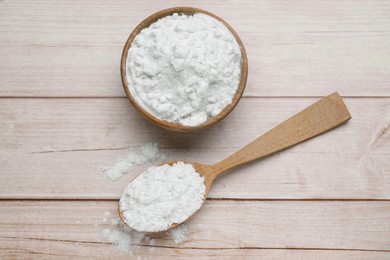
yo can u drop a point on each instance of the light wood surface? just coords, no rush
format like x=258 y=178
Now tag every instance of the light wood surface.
x=341 y=225
x=64 y=115
x=294 y=49
x=351 y=162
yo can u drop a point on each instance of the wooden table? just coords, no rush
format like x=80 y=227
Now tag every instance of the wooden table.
x=64 y=115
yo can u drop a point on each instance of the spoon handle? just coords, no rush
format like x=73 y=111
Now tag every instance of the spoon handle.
x=325 y=114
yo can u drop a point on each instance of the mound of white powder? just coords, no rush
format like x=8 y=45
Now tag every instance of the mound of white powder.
x=184 y=68
x=161 y=196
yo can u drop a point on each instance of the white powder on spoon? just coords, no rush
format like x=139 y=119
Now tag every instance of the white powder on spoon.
x=161 y=196
x=184 y=69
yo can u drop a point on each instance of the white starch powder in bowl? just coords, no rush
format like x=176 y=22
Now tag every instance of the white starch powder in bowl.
x=162 y=196
x=184 y=69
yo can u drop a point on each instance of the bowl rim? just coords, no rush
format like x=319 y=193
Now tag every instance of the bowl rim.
x=175 y=126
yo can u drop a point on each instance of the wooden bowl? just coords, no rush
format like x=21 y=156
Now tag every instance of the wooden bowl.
x=174 y=126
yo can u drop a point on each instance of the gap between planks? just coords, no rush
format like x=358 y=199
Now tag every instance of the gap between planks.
x=209 y=199
x=124 y=97
x=210 y=248
x=342 y=225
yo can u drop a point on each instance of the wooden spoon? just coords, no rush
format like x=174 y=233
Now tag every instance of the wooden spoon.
x=322 y=116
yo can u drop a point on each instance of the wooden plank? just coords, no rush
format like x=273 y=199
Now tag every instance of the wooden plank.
x=27 y=249
x=48 y=225
x=294 y=49
x=63 y=143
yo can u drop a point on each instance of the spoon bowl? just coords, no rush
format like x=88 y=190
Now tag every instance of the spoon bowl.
x=320 y=117
x=204 y=170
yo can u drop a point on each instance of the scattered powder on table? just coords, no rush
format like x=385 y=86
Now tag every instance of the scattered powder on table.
x=147 y=153
x=106 y=215
x=161 y=196
x=184 y=69
x=179 y=234
x=129 y=241
x=122 y=239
